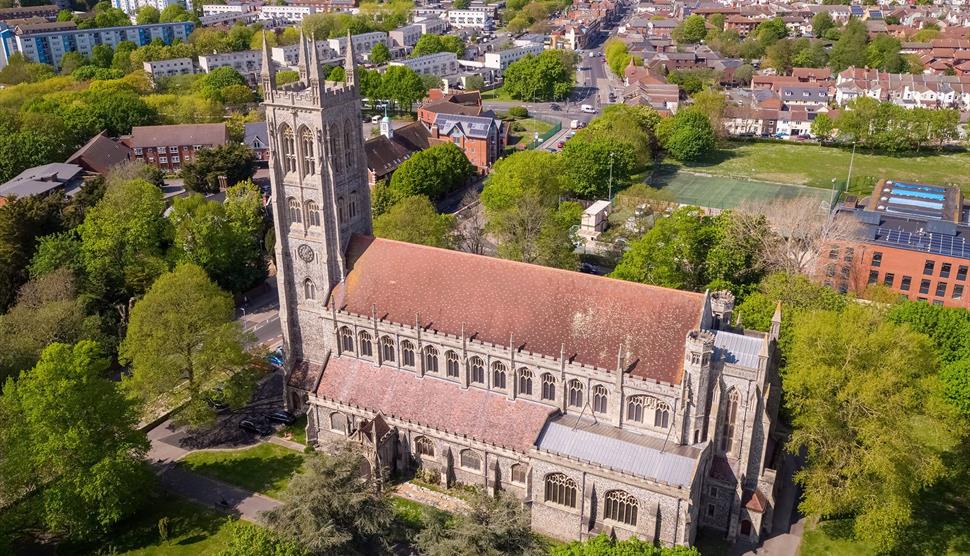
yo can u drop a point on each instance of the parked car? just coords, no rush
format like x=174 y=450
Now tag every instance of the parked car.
x=254 y=426
x=281 y=416
x=560 y=144
x=554 y=107
x=588 y=108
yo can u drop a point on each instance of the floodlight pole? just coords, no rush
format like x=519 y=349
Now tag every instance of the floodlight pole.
x=848 y=181
x=610 y=194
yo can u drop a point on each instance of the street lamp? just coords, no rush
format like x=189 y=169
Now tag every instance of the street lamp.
x=610 y=194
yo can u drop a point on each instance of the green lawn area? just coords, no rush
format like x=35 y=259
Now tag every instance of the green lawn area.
x=497 y=94
x=832 y=538
x=814 y=165
x=265 y=468
x=297 y=429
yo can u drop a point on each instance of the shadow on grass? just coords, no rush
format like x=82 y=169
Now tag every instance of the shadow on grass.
x=255 y=469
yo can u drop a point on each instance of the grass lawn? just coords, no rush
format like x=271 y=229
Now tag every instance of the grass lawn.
x=532 y=125
x=832 y=538
x=297 y=429
x=265 y=468
x=814 y=165
x=497 y=94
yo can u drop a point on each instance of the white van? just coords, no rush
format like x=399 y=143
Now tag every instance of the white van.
x=588 y=108
x=574 y=124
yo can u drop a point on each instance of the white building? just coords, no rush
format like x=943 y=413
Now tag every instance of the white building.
x=212 y=9
x=432 y=26
x=289 y=55
x=132 y=6
x=285 y=14
x=501 y=59
x=405 y=36
x=228 y=18
x=168 y=68
x=246 y=62
x=363 y=43
x=470 y=19
x=440 y=64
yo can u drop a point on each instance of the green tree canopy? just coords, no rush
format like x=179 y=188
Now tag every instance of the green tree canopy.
x=603 y=545
x=415 y=220
x=69 y=433
x=493 y=525
x=380 y=54
x=821 y=22
x=850 y=49
x=593 y=164
x=548 y=76
x=233 y=161
x=402 y=85
x=687 y=136
x=146 y=15
x=21 y=224
x=690 y=31
x=771 y=31
x=432 y=172
x=432 y=44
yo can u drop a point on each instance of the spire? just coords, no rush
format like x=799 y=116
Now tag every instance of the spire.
x=775 y=331
x=350 y=63
x=267 y=73
x=314 y=61
x=301 y=57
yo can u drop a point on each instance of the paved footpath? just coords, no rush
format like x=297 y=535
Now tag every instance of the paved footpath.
x=217 y=494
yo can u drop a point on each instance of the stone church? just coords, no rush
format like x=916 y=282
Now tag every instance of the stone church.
x=606 y=406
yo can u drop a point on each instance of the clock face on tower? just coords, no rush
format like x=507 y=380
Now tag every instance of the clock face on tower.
x=305 y=252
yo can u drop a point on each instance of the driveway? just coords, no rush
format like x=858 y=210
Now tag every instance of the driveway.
x=217 y=494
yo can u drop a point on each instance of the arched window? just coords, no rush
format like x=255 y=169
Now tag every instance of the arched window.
x=519 y=472
x=293 y=210
x=525 y=381
x=661 y=416
x=341 y=210
x=353 y=205
x=638 y=410
x=477 y=370
x=288 y=145
x=498 y=375
x=730 y=417
x=424 y=446
x=407 y=353
x=306 y=146
x=620 y=506
x=338 y=423
x=430 y=359
x=470 y=460
x=634 y=409
x=309 y=290
x=600 y=398
x=363 y=339
x=560 y=490
x=548 y=387
x=575 y=397
x=346 y=339
x=348 y=142
x=451 y=364
x=312 y=214
x=334 y=148
x=387 y=348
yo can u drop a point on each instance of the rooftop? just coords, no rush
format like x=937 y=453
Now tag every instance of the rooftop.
x=182 y=134
x=41 y=179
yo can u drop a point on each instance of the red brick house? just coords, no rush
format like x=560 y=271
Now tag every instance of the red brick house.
x=167 y=147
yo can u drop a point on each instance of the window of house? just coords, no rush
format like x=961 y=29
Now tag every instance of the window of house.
x=309 y=290
x=620 y=506
x=876 y=259
x=175 y=160
x=387 y=348
x=477 y=368
x=312 y=213
x=346 y=339
x=834 y=253
x=961 y=272
x=849 y=254
x=905 y=283
x=600 y=398
x=424 y=446
x=548 y=387
x=407 y=353
x=873 y=276
x=634 y=408
x=451 y=364
x=498 y=375
x=173 y=149
x=924 y=286
x=364 y=340
x=470 y=460
x=928 y=267
x=957 y=291
x=430 y=359
x=138 y=151
x=525 y=381
x=288 y=145
x=730 y=418
x=938 y=302
x=830 y=270
x=560 y=490
x=575 y=393
x=519 y=473
x=940 y=289
x=945 y=270
x=888 y=279
x=163 y=159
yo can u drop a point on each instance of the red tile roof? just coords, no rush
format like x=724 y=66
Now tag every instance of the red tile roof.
x=755 y=501
x=479 y=414
x=539 y=309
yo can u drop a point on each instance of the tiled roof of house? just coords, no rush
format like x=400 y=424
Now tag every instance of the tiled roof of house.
x=385 y=155
x=99 y=154
x=479 y=414
x=538 y=309
x=755 y=500
x=182 y=134
x=472 y=126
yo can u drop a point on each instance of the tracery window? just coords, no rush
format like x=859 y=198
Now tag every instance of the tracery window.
x=306 y=145
x=288 y=144
x=548 y=387
x=346 y=339
x=341 y=210
x=498 y=375
x=620 y=506
x=407 y=353
x=312 y=213
x=470 y=460
x=519 y=473
x=600 y=398
x=575 y=393
x=293 y=210
x=309 y=290
x=730 y=417
x=661 y=416
x=430 y=359
x=451 y=364
x=364 y=341
x=387 y=348
x=353 y=205
x=525 y=381
x=424 y=446
x=348 y=141
x=560 y=490
x=638 y=410
x=334 y=148
x=477 y=370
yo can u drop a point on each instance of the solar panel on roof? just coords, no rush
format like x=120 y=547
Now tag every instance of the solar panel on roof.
x=916 y=193
x=916 y=203
x=919 y=187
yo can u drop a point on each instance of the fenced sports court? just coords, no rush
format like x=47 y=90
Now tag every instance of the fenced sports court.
x=725 y=193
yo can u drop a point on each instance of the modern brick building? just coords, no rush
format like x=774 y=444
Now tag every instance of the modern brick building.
x=168 y=147
x=910 y=237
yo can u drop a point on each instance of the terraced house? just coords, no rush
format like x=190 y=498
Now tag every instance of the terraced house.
x=604 y=405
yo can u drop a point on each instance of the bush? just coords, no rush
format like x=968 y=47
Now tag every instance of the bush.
x=519 y=112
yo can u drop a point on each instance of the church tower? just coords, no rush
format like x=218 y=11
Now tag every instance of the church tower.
x=320 y=195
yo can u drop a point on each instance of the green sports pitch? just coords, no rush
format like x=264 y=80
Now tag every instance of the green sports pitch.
x=725 y=193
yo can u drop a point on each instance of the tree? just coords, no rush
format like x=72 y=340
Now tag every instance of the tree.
x=822 y=127
x=593 y=164
x=246 y=539
x=712 y=103
x=182 y=338
x=432 y=172
x=796 y=293
x=174 y=13
x=233 y=161
x=865 y=403
x=337 y=73
x=850 y=49
x=771 y=31
x=493 y=525
x=72 y=61
x=146 y=15
x=69 y=434
x=380 y=54
x=545 y=77
x=603 y=545
x=330 y=508
x=22 y=222
x=690 y=31
x=20 y=70
x=432 y=44
x=474 y=83
x=883 y=53
x=821 y=23
x=415 y=220
x=687 y=136
x=402 y=85
x=744 y=74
